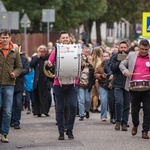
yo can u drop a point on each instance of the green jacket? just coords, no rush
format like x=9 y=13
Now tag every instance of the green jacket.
x=11 y=63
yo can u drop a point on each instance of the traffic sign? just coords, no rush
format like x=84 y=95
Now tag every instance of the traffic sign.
x=48 y=15
x=146 y=24
x=25 y=21
x=10 y=20
x=2 y=7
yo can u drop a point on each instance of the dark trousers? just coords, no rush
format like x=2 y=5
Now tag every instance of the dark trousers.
x=1 y=116
x=122 y=105
x=29 y=97
x=111 y=102
x=136 y=99
x=61 y=92
x=66 y=109
x=17 y=107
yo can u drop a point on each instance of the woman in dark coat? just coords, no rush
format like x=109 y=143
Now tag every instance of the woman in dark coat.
x=42 y=95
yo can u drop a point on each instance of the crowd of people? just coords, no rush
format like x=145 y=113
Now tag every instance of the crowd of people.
x=113 y=81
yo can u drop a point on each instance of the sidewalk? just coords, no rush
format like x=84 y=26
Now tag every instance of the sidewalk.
x=91 y=134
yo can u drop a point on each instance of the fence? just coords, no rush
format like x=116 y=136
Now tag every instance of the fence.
x=33 y=40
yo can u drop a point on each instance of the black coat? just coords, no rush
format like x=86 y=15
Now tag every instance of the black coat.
x=119 y=78
x=42 y=85
x=19 y=85
x=38 y=64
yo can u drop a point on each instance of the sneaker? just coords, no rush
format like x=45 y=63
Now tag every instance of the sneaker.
x=117 y=126
x=98 y=111
x=87 y=115
x=81 y=118
x=124 y=127
x=70 y=135
x=17 y=127
x=94 y=111
x=12 y=125
x=113 y=121
x=61 y=137
x=103 y=119
x=4 y=139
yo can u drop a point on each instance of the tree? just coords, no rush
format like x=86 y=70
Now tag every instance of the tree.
x=33 y=8
x=69 y=14
x=93 y=10
x=116 y=10
x=143 y=6
x=72 y=13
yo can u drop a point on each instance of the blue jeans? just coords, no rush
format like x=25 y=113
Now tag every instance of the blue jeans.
x=84 y=101
x=17 y=107
x=104 y=101
x=61 y=92
x=122 y=105
x=6 y=101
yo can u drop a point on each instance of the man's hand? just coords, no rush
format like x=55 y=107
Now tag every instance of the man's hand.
x=104 y=75
x=111 y=77
x=12 y=75
x=49 y=64
x=39 y=54
x=128 y=74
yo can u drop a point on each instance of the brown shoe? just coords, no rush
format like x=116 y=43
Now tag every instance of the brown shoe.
x=117 y=126
x=134 y=130
x=124 y=127
x=145 y=135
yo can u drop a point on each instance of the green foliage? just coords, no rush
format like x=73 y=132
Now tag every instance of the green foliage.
x=69 y=13
x=73 y=13
x=143 y=6
x=118 y=9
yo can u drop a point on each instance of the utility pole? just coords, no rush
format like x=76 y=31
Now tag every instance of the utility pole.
x=48 y=15
x=25 y=23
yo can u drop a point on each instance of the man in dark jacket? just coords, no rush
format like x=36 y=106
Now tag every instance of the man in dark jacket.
x=122 y=101
x=18 y=93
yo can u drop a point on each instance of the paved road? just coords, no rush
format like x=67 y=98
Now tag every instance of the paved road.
x=90 y=134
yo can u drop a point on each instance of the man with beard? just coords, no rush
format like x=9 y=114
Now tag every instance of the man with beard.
x=122 y=100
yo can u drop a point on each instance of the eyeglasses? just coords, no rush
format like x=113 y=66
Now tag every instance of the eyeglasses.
x=144 y=49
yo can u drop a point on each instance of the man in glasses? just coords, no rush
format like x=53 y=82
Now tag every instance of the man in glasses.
x=136 y=67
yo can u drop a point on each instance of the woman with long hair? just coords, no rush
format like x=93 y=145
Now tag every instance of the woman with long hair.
x=96 y=60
